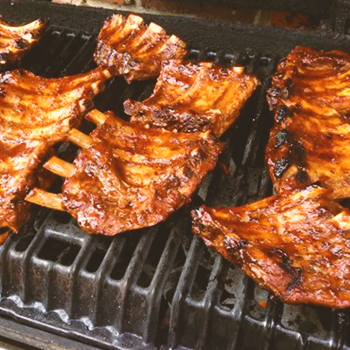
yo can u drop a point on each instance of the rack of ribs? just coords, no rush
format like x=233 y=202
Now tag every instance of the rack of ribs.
x=294 y=244
x=127 y=176
x=15 y=42
x=36 y=113
x=310 y=140
x=134 y=50
x=192 y=97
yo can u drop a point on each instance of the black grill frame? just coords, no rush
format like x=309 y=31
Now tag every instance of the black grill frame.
x=64 y=300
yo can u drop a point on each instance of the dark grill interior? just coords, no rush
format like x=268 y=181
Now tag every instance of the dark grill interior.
x=160 y=287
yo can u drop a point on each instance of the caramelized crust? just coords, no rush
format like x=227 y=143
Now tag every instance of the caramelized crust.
x=190 y=97
x=135 y=50
x=35 y=113
x=310 y=141
x=133 y=177
x=15 y=42
x=296 y=244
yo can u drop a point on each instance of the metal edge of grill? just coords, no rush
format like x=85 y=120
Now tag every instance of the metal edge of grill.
x=160 y=287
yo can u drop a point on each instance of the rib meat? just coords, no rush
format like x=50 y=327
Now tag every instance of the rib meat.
x=190 y=97
x=17 y=41
x=295 y=244
x=135 y=50
x=36 y=113
x=310 y=141
x=133 y=177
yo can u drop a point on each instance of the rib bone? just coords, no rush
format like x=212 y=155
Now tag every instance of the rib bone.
x=45 y=199
x=60 y=167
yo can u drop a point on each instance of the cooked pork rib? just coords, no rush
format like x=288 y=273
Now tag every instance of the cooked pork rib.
x=16 y=41
x=295 y=244
x=35 y=113
x=190 y=97
x=310 y=141
x=130 y=177
x=135 y=50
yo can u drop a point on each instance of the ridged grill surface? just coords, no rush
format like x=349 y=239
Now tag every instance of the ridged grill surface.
x=158 y=287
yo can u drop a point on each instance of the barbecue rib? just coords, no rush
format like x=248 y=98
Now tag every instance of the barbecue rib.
x=35 y=113
x=190 y=97
x=16 y=41
x=310 y=141
x=295 y=244
x=130 y=177
x=135 y=50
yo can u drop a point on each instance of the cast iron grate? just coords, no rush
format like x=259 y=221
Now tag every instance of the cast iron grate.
x=159 y=287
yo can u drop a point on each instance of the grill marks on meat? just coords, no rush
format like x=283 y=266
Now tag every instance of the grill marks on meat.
x=36 y=113
x=295 y=244
x=310 y=141
x=133 y=177
x=135 y=50
x=15 y=42
x=190 y=97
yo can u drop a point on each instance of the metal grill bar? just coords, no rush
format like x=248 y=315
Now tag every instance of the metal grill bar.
x=154 y=292
x=183 y=289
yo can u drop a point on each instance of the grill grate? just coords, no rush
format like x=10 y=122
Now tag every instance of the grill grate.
x=158 y=287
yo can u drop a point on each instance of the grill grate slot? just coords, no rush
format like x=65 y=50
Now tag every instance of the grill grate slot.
x=110 y=100
x=54 y=45
x=59 y=252
x=95 y=260
x=123 y=262
x=66 y=55
x=24 y=242
x=61 y=217
x=153 y=258
x=80 y=60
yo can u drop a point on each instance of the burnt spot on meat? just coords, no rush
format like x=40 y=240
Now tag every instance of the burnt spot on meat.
x=21 y=43
x=282 y=113
x=284 y=259
x=187 y=172
x=88 y=104
x=302 y=177
x=274 y=92
x=288 y=88
x=296 y=280
x=281 y=166
x=2 y=92
x=18 y=41
x=233 y=245
x=298 y=154
x=282 y=137
x=36 y=35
